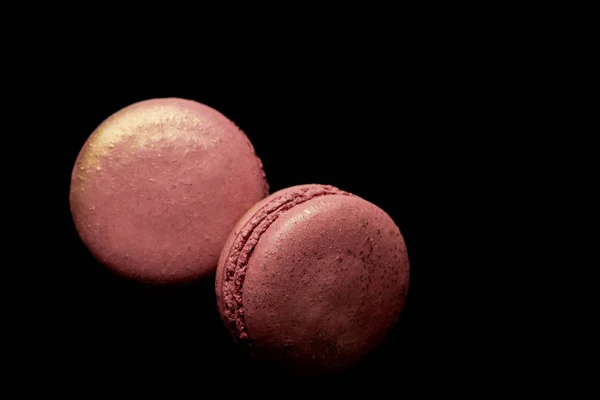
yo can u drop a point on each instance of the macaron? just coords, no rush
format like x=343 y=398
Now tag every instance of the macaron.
x=312 y=278
x=159 y=185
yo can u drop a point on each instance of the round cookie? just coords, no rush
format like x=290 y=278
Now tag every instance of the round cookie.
x=158 y=186
x=312 y=278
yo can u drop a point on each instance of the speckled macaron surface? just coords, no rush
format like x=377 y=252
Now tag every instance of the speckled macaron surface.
x=312 y=278
x=159 y=185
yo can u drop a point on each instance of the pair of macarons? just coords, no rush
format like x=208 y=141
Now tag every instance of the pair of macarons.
x=167 y=191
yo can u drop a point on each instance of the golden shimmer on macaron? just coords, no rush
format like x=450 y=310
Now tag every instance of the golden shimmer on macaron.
x=157 y=187
x=167 y=119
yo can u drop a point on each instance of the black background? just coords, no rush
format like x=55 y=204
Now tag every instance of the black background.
x=424 y=113
x=379 y=131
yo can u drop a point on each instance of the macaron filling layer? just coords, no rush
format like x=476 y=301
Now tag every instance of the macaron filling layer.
x=245 y=243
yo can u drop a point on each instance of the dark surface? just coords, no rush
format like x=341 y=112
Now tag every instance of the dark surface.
x=444 y=117
x=377 y=134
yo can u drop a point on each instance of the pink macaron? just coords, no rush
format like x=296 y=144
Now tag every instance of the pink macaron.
x=159 y=185
x=312 y=278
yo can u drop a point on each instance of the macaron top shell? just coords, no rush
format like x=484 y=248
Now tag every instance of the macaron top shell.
x=158 y=186
x=323 y=284
x=240 y=245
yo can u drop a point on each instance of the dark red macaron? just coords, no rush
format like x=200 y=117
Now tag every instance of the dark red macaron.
x=312 y=278
x=159 y=185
